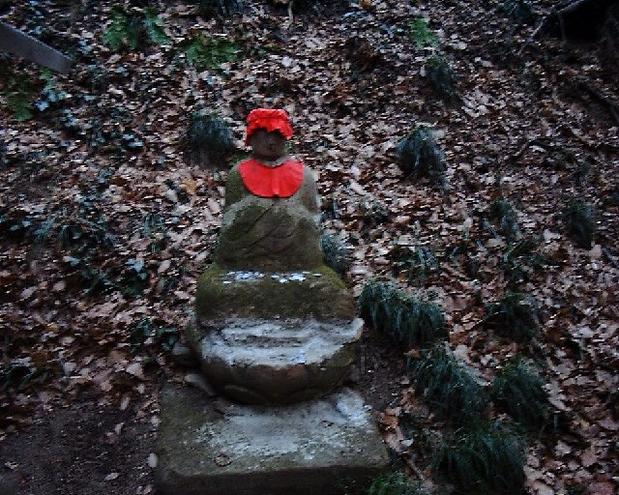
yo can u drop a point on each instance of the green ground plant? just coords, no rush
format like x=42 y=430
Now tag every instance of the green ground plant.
x=522 y=259
x=146 y=333
x=442 y=78
x=396 y=483
x=134 y=30
x=519 y=390
x=417 y=262
x=420 y=156
x=420 y=33
x=23 y=94
x=503 y=213
x=374 y=212
x=448 y=386
x=18 y=375
x=215 y=8
x=154 y=229
x=406 y=319
x=515 y=316
x=485 y=459
x=209 y=53
x=209 y=140
x=519 y=10
x=19 y=91
x=335 y=254
x=579 y=219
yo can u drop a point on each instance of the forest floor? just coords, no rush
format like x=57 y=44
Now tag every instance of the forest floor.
x=104 y=226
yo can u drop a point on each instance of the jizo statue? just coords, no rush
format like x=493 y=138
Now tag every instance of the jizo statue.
x=271 y=208
x=274 y=323
x=276 y=335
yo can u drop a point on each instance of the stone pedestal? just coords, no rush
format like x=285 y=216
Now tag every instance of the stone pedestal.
x=276 y=361
x=214 y=447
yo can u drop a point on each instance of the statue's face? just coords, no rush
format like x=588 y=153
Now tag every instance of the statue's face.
x=268 y=145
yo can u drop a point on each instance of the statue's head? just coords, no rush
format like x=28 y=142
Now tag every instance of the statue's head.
x=267 y=132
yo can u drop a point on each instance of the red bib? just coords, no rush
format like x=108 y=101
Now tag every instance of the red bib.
x=272 y=182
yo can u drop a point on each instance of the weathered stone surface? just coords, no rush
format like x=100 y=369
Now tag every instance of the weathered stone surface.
x=324 y=447
x=317 y=293
x=273 y=234
x=276 y=361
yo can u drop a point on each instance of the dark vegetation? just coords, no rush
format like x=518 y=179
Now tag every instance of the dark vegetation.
x=396 y=483
x=442 y=78
x=515 y=316
x=519 y=390
x=335 y=254
x=579 y=219
x=420 y=157
x=214 y=8
x=405 y=319
x=486 y=458
x=448 y=386
x=417 y=263
x=209 y=141
x=503 y=213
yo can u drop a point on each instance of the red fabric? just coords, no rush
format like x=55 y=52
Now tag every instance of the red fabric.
x=270 y=120
x=272 y=182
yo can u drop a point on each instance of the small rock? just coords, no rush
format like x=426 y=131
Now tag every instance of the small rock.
x=183 y=355
x=152 y=460
x=200 y=382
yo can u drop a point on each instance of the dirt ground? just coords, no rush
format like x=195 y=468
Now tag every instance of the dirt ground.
x=87 y=449
x=93 y=449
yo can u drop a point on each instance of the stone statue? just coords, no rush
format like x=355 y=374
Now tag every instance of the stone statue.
x=271 y=209
x=274 y=327
x=269 y=284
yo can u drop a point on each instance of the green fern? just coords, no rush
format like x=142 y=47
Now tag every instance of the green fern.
x=132 y=30
x=154 y=28
x=210 y=53
x=119 y=32
x=19 y=93
x=421 y=34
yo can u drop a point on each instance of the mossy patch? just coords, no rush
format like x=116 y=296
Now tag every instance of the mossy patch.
x=320 y=294
x=259 y=233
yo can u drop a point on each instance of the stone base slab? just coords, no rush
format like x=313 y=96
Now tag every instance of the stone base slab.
x=329 y=446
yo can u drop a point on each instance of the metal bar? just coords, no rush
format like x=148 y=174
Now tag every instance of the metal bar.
x=14 y=41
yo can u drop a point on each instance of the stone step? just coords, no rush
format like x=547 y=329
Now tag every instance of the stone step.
x=258 y=361
x=329 y=446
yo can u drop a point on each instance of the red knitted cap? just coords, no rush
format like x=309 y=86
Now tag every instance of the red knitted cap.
x=269 y=119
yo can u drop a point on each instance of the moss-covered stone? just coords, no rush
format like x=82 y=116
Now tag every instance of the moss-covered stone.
x=275 y=234
x=318 y=293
